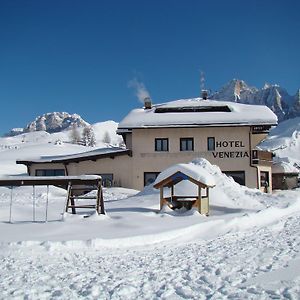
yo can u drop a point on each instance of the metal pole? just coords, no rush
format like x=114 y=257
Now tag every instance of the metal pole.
x=10 y=205
x=47 y=200
x=33 y=203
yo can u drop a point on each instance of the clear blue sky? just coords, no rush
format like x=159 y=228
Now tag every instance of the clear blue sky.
x=78 y=56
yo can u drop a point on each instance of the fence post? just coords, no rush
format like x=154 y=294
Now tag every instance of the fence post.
x=47 y=200
x=10 y=205
x=33 y=203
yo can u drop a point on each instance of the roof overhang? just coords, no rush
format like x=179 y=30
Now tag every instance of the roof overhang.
x=76 y=159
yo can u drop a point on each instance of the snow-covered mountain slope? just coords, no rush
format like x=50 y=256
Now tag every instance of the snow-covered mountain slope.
x=41 y=143
x=276 y=98
x=284 y=141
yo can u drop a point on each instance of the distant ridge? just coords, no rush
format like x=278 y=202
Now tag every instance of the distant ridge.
x=55 y=122
x=51 y=123
x=285 y=106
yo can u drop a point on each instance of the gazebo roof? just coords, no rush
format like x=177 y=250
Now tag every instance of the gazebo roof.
x=179 y=172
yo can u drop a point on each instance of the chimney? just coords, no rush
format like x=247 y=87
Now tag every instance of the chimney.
x=204 y=94
x=147 y=103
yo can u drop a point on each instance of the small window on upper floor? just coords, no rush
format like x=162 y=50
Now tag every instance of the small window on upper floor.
x=187 y=144
x=162 y=144
x=211 y=146
x=50 y=172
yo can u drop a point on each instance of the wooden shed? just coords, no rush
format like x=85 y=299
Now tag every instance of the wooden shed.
x=195 y=175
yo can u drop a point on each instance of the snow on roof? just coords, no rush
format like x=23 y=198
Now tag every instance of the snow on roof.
x=284 y=167
x=37 y=178
x=198 y=112
x=196 y=172
x=77 y=156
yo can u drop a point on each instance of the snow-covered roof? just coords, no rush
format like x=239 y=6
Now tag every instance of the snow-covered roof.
x=198 y=112
x=282 y=167
x=94 y=154
x=79 y=177
x=196 y=172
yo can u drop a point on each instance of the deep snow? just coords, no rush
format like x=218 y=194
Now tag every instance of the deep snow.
x=247 y=248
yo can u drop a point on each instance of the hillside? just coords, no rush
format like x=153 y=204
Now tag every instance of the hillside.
x=37 y=143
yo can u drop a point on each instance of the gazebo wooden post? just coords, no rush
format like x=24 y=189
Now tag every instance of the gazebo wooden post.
x=199 y=198
x=207 y=193
x=161 y=193
x=172 y=192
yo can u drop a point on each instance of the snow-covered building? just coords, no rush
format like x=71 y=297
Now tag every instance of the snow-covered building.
x=284 y=175
x=158 y=136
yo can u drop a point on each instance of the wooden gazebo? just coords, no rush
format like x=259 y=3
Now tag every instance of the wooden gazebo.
x=180 y=173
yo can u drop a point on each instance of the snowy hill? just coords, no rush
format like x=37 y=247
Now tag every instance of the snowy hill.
x=37 y=143
x=276 y=98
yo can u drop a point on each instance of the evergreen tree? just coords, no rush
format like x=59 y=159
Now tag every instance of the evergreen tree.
x=88 y=137
x=106 y=138
x=75 y=135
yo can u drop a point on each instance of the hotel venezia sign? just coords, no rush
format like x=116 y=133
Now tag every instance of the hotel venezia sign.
x=233 y=149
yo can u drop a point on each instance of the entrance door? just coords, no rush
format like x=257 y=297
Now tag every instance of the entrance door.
x=264 y=181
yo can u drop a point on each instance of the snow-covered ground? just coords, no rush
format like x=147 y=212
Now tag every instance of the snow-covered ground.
x=247 y=248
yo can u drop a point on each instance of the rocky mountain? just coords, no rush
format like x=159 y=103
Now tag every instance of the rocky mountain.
x=54 y=122
x=276 y=98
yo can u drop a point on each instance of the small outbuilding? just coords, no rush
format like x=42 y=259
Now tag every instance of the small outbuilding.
x=284 y=176
x=192 y=187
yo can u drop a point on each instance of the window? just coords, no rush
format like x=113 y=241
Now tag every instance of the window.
x=149 y=177
x=186 y=144
x=238 y=176
x=162 y=144
x=211 y=144
x=50 y=172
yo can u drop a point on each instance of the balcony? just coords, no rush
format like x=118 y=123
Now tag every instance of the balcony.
x=262 y=158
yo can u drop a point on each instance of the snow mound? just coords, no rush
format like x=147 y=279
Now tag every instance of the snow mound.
x=228 y=193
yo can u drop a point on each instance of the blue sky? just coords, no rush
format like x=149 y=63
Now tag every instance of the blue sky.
x=78 y=56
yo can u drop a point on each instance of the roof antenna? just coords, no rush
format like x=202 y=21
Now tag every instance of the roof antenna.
x=204 y=92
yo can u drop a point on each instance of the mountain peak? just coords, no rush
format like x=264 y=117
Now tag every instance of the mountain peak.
x=55 y=122
x=271 y=95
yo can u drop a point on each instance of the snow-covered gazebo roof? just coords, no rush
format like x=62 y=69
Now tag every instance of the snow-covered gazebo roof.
x=197 y=112
x=179 y=172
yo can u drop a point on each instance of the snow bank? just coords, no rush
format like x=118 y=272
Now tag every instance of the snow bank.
x=227 y=192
